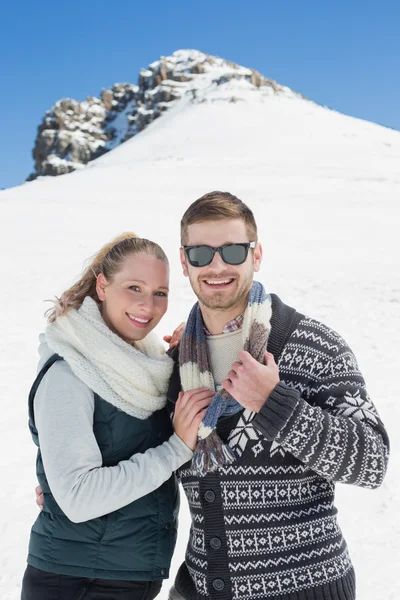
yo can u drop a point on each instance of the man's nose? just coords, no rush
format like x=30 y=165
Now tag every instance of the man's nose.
x=217 y=261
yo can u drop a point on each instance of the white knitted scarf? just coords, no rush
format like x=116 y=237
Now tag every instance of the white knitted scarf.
x=132 y=378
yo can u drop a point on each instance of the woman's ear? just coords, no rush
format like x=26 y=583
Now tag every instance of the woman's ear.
x=101 y=284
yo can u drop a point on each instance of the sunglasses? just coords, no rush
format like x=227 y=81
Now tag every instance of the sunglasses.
x=231 y=254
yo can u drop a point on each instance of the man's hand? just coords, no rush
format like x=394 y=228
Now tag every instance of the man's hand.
x=39 y=497
x=174 y=339
x=250 y=382
x=190 y=409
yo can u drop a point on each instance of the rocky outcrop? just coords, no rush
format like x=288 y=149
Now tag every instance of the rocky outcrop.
x=73 y=133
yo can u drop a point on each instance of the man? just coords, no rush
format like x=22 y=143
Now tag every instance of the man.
x=291 y=418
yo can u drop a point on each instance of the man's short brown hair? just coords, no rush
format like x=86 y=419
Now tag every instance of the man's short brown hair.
x=216 y=206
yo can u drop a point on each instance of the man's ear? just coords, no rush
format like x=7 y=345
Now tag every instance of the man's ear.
x=184 y=262
x=257 y=257
x=101 y=284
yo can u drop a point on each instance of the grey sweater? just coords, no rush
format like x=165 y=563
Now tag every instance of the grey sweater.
x=82 y=487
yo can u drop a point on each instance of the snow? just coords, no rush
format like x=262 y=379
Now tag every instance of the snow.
x=325 y=190
x=146 y=73
x=57 y=161
x=120 y=125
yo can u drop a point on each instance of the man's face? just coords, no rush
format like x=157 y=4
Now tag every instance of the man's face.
x=220 y=286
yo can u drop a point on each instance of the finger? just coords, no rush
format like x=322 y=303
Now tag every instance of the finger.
x=38 y=490
x=200 y=396
x=227 y=385
x=179 y=401
x=246 y=358
x=200 y=400
x=237 y=366
x=167 y=338
x=232 y=375
x=204 y=403
x=195 y=409
x=177 y=334
x=196 y=393
x=200 y=416
x=206 y=396
x=269 y=358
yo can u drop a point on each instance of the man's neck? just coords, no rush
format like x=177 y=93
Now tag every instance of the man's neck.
x=215 y=320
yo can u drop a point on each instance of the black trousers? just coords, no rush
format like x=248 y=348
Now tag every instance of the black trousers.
x=40 y=585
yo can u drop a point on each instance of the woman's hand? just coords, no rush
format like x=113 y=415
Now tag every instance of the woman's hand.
x=39 y=497
x=190 y=409
x=174 y=339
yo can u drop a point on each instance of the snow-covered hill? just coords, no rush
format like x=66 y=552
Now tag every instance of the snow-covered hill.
x=325 y=189
x=73 y=133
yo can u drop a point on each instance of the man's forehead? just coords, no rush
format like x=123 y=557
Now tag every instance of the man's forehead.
x=217 y=232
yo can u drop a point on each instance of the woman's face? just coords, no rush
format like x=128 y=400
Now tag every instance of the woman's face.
x=137 y=297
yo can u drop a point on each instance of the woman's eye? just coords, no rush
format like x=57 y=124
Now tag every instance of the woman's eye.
x=135 y=288
x=163 y=294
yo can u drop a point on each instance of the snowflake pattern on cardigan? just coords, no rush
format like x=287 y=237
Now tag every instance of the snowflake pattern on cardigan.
x=268 y=526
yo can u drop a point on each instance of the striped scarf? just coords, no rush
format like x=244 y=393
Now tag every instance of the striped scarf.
x=195 y=371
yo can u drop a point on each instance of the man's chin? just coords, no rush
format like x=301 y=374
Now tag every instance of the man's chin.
x=217 y=303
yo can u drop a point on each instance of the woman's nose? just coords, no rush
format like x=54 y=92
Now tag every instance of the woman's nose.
x=147 y=302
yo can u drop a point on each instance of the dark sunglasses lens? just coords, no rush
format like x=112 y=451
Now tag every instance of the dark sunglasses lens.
x=199 y=256
x=234 y=254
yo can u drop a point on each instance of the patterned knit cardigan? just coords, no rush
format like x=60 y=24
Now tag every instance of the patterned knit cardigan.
x=265 y=527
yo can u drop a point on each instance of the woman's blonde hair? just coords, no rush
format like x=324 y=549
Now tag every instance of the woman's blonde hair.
x=107 y=261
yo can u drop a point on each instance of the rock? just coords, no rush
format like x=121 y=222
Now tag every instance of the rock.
x=107 y=98
x=198 y=69
x=73 y=133
x=256 y=79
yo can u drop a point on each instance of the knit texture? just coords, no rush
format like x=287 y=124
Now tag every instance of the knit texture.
x=265 y=526
x=223 y=351
x=196 y=371
x=132 y=378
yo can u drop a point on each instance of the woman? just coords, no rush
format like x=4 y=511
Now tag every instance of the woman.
x=107 y=451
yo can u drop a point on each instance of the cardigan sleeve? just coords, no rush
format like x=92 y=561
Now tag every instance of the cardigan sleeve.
x=337 y=431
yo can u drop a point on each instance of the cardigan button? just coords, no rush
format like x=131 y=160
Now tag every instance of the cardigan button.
x=164 y=572
x=168 y=525
x=215 y=543
x=209 y=496
x=218 y=585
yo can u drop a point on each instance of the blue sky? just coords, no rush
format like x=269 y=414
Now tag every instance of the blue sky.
x=345 y=54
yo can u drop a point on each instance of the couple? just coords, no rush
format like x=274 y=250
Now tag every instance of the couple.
x=258 y=410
